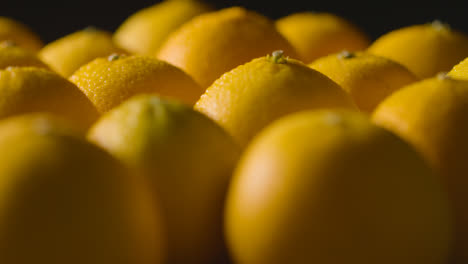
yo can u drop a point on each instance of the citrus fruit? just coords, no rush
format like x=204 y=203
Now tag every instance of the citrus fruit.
x=214 y=43
x=109 y=81
x=367 y=78
x=63 y=200
x=424 y=49
x=431 y=115
x=251 y=96
x=460 y=71
x=68 y=53
x=189 y=161
x=145 y=31
x=31 y=89
x=19 y=33
x=13 y=55
x=329 y=187
x=318 y=34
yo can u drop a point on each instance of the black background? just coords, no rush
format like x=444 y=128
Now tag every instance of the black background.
x=51 y=19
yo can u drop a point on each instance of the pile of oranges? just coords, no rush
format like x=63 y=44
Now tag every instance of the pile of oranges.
x=201 y=136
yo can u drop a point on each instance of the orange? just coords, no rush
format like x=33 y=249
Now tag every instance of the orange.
x=64 y=200
x=248 y=98
x=67 y=54
x=188 y=160
x=109 y=81
x=12 y=55
x=424 y=49
x=460 y=71
x=145 y=31
x=214 y=43
x=318 y=34
x=367 y=78
x=330 y=187
x=31 y=89
x=431 y=115
x=19 y=33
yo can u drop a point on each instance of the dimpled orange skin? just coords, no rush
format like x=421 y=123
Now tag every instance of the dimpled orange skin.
x=367 y=78
x=214 y=43
x=64 y=200
x=12 y=55
x=20 y=34
x=318 y=34
x=329 y=187
x=147 y=29
x=70 y=52
x=424 y=49
x=31 y=89
x=431 y=115
x=108 y=82
x=460 y=71
x=251 y=96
